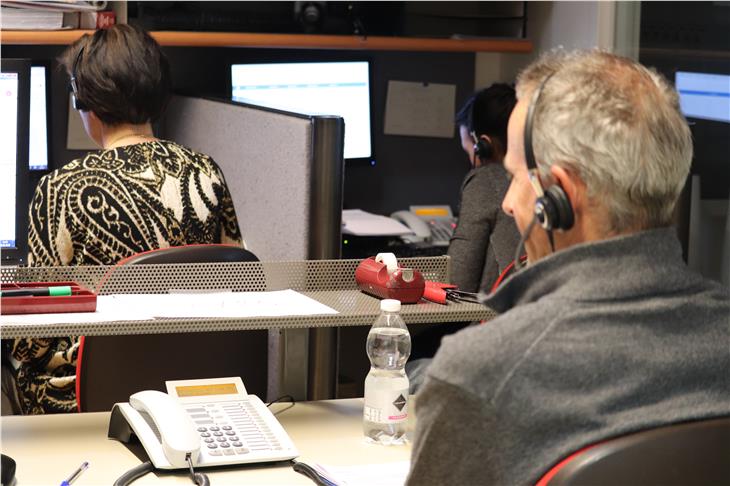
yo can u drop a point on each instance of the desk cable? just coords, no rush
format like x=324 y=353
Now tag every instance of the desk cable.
x=137 y=472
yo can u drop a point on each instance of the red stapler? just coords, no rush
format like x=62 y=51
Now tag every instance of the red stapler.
x=381 y=276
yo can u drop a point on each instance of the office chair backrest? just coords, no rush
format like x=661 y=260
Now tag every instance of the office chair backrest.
x=204 y=253
x=110 y=368
x=696 y=453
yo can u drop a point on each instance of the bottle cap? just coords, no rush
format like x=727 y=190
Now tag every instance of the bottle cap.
x=390 y=305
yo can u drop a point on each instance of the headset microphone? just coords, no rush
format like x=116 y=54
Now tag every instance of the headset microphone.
x=521 y=246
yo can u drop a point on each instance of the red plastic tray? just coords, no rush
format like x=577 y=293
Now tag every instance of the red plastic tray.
x=80 y=300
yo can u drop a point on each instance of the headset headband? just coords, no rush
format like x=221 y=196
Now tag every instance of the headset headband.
x=74 y=87
x=529 y=153
x=77 y=104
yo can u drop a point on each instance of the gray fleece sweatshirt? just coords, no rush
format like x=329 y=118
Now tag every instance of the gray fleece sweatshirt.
x=593 y=342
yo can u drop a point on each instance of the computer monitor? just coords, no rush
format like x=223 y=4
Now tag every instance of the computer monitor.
x=703 y=95
x=38 y=151
x=14 y=128
x=313 y=88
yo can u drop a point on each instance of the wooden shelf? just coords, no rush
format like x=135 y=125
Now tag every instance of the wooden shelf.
x=293 y=41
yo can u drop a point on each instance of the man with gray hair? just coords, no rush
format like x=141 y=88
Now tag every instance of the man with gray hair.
x=605 y=332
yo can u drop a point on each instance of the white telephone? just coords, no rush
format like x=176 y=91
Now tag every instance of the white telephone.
x=213 y=420
x=419 y=227
x=432 y=224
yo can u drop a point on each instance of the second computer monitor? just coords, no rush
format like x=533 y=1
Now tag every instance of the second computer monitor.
x=313 y=88
x=39 y=113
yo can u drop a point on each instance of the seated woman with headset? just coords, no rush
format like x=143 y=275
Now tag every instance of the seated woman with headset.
x=485 y=239
x=137 y=193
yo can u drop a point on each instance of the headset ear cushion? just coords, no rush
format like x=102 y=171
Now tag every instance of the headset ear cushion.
x=483 y=149
x=560 y=207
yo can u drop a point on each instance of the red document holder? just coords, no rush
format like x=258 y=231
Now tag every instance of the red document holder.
x=80 y=300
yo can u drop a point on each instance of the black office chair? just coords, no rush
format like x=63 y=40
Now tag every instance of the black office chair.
x=696 y=453
x=110 y=368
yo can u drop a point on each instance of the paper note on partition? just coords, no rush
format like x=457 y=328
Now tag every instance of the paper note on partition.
x=420 y=109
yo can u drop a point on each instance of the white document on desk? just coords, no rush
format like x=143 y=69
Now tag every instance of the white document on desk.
x=361 y=223
x=386 y=474
x=278 y=303
x=107 y=310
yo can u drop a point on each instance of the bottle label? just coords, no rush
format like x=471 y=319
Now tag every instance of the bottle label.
x=386 y=406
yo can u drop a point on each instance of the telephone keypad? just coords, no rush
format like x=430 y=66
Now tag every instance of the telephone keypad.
x=236 y=429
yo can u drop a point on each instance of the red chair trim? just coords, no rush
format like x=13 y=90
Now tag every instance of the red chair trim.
x=79 y=358
x=545 y=479
x=507 y=271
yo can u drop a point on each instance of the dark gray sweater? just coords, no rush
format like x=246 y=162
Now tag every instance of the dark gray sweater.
x=485 y=238
x=594 y=342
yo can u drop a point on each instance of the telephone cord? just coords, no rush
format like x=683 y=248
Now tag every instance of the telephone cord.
x=146 y=467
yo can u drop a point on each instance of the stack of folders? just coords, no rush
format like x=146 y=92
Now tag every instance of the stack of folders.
x=45 y=15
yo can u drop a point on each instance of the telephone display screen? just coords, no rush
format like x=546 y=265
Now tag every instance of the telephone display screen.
x=205 y=390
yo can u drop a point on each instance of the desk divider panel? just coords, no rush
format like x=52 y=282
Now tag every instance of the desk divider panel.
x=331 y=282
x=285 y=172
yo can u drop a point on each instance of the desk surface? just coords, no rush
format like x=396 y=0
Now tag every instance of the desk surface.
x=354 y=309
x=48 y=448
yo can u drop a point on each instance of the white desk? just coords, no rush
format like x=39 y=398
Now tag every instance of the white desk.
x=49 y=448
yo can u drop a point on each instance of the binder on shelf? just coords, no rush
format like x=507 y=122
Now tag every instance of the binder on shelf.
x=80 y=300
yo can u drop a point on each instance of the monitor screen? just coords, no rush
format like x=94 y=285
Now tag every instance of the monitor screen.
x=14 y=125
x=8 y=153
x=703 y=95
x=313 y=88
x=38 y=148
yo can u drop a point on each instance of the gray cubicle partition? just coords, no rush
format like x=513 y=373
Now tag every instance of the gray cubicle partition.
x=285 y=172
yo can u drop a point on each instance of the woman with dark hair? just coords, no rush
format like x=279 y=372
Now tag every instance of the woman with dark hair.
x=137 y=193
x=485 y=238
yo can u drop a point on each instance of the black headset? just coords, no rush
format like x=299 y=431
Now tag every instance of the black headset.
x=482 y=148
x=77 y=104
x=552 y=208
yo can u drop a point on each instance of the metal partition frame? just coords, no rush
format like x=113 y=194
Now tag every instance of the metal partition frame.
x=285 y=172
x=330 y=282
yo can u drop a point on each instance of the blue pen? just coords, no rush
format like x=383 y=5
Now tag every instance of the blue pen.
x=75 y=474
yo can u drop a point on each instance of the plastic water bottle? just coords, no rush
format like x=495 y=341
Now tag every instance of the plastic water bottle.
x=386 y=386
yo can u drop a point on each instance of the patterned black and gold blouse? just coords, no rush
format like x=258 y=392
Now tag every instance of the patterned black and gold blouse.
x=105 y=207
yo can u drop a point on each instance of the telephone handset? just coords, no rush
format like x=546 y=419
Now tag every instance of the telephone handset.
x=171 y=425
x=432 y=224
x=213 y=420
x=419 y=227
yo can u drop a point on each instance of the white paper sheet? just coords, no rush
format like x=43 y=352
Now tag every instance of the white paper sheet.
x=107 y=310
x=361 y=223
x=226 y=304
x=385 y=474
x=420 y=109
x=135 y=307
